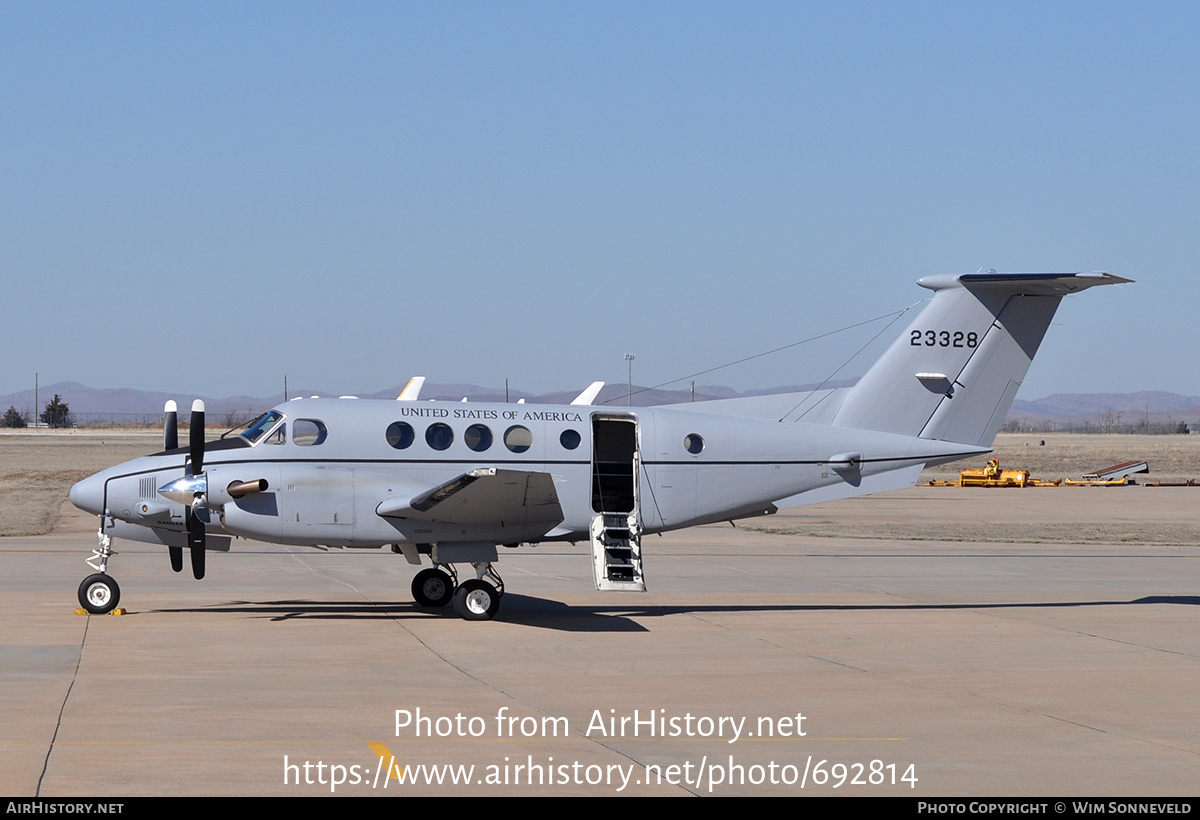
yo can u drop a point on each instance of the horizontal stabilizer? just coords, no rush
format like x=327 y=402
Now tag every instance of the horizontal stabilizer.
x=879 y=483
x=1033 y=284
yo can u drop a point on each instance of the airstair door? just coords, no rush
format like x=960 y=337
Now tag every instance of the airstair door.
x=615 y=529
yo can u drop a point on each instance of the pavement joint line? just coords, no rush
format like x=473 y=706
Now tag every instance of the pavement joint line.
x=62 y=709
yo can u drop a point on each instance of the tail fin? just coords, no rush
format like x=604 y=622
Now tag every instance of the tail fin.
x=955 y=371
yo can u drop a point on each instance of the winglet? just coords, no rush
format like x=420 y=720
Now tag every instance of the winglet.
x=589 y=394
x=412 y=390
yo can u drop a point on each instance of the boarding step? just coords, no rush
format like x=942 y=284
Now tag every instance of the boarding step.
x=617 y=553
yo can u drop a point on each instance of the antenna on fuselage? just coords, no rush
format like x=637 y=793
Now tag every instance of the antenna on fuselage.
x=589 y=393
x=412 y=390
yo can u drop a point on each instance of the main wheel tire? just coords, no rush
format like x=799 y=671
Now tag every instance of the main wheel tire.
x=476 y=600
x=432 y=587
x=99 y=594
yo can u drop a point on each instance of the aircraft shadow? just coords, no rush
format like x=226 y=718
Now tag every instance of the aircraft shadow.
x=518 y=609
x=542 y=613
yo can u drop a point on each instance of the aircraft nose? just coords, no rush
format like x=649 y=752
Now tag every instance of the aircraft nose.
x=88 y=495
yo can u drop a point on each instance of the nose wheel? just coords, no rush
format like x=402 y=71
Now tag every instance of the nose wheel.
x=99 y=594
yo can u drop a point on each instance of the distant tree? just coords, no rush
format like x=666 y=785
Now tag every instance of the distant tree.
x=57 y=413
x=1182 y=428
x=12 y=418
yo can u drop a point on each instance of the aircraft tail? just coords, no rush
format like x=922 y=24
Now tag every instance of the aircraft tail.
x=955 y=371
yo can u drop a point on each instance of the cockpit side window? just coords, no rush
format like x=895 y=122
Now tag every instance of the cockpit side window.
x=278 y=437
x=260 y=426
x=309 y=432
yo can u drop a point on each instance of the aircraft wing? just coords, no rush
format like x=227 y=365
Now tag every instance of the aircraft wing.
x=489 y=495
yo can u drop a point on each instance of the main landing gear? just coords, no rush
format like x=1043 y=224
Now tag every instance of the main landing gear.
x=474 y=599
x=99 y=593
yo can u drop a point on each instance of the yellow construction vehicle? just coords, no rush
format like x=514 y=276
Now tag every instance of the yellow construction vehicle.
x=993 y=476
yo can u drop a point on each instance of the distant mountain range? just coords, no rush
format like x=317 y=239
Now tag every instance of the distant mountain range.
x=128 y=405
x=1063 y=405
x=122 y=404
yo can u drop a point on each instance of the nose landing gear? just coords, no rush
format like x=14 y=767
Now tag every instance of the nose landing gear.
x=99 y=593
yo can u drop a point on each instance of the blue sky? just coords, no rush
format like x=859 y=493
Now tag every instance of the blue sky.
x=201 y=198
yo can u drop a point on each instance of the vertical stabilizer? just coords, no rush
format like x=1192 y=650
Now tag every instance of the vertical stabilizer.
x=954 y=372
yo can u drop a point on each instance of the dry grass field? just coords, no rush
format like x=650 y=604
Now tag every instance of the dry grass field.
x=1033 y=515
x=37 y=470
x=1071 y=455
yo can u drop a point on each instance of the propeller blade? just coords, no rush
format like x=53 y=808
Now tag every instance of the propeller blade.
x=176 y=558
x=170 y=426
x=196 y=437
x=195 y=529
x=198 y=562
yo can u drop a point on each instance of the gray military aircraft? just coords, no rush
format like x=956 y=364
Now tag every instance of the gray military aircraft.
x=450 y=481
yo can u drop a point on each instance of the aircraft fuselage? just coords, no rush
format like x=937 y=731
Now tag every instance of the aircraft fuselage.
x=330 y=465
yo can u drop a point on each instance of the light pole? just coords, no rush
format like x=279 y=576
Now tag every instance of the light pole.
x=629 y=395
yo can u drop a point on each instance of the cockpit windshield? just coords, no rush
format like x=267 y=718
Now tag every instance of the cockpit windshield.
x=260 y=426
